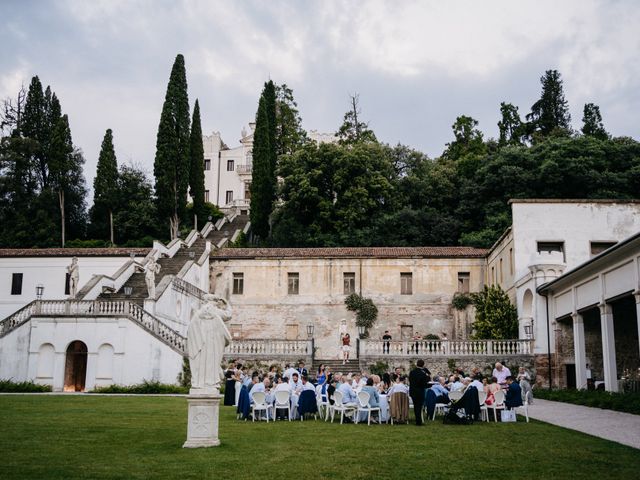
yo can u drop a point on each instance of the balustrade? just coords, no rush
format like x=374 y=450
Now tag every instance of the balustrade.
x=448 y=348
x=293 y=348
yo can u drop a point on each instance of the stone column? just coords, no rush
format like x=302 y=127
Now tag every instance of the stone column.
x=608 y=348
x=580 y=352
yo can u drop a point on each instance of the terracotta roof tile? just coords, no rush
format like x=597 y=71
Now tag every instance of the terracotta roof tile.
x=72 y=252
x=351 y=252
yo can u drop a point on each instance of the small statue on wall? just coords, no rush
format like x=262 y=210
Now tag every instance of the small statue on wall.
x=150 y=272
x=74 y=277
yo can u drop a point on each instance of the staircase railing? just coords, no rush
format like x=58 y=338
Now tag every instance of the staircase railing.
x=96 y=308
x=446 y=348
x=181 y=286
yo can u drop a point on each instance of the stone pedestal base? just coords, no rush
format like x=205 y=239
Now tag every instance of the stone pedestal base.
x=202 y=428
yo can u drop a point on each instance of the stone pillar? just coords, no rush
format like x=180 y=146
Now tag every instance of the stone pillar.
x=580 y=352
x=608 y=348
x=202 y=424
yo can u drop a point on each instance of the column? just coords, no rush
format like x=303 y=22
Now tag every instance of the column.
x=580 y=352
x=608 y=348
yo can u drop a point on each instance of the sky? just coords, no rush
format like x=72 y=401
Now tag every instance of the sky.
x=416 y=65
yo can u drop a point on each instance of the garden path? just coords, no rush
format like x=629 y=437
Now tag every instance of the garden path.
x=608 y=424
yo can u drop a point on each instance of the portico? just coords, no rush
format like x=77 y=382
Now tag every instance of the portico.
x=599 y=298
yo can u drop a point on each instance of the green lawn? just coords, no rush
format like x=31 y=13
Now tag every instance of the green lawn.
x=67 y=437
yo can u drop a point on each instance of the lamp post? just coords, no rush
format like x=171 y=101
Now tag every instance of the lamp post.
x=310 y=329
x=128 y=290
x=361 y=331
x=528 y=331
x=39 y=291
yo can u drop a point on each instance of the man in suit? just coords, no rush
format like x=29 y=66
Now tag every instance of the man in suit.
x=418 y=379
x=301 y=370
x=513 y=397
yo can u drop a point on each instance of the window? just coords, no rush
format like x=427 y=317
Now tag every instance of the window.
x=549 y=248
x=599 y=247
x=406 y=283
x=206 y=195
x=501 y=277
x=349 y=282
x=293 y=284
x=492 y=280
x=229 y=196
x=67 y=287
x=463 y=282
x=16 y=284
x=511 y=261
x=230 y=166
x=207 y=164
x=238 y=283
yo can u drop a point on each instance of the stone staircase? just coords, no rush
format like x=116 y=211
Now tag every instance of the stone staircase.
x=336 y=365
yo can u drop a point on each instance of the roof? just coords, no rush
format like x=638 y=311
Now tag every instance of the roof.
x=573 y=200
x=72 y=252
x=352 y=252
x=545 y=287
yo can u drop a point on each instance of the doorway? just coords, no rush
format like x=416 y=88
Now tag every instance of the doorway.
x=75 y=369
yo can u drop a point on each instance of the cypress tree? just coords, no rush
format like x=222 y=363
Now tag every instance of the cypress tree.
x=171 y=166
x=551 y=112
x=592 y=122
x=105 y=185
x=269 y=94
x=61 y=164
x=262 y=186
x=196 y=170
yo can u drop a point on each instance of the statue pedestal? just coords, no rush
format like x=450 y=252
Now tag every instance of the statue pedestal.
x=202 y=427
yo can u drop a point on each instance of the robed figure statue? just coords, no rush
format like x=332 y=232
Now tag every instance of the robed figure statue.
x=207 y=337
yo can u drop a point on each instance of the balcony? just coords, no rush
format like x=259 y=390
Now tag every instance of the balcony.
x=244 y=169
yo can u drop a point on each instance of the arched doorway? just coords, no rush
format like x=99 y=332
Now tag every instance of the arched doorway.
x=75 y=369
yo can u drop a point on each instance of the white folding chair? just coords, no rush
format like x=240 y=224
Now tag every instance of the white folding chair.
x=498 y=403
x=282 y=402
x=363 y=406
x=259 y=404
x=525 y=407
x=484 y=413
x=322 y=402
x=338 y=406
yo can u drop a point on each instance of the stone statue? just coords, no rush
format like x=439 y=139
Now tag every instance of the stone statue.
x=74 y=276
x=150 y=277
x=206 y=338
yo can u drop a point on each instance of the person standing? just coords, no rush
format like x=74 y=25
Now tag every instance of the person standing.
x=346 y=347
x=418 y=381
x=386 y=338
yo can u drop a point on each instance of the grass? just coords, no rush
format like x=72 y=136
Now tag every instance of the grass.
x=622 y=402
x=102 y=437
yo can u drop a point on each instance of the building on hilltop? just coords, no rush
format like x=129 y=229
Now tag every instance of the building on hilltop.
x=571 y=267
x=227 y=170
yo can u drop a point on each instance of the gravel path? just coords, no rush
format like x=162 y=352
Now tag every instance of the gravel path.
x=615 y=426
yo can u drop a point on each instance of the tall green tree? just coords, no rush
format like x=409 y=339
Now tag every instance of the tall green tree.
x=105 y=188
x=353 y=129
x=496 y=317
x=592 y=125
x=64 y=163
x=196 y=170
x=269 y=94
x=262 y=185
x=551 y=112
x=136 y=214
x=290 y=136
x=510 y=125
x=171 y=166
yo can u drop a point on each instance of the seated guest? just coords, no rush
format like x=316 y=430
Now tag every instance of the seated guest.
x=513 y=397
x=289 y=371
x=348 y=395
x=282 y=385
x=442 y=394
x=255 y=379
x=295 y=383
x=501 y=373
x=399 y=385
x=374 y=396
x=264 y=387
x=456 y=385
x=333 y=384
x=306 y=384
x=494 y=386
x=477 y=382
